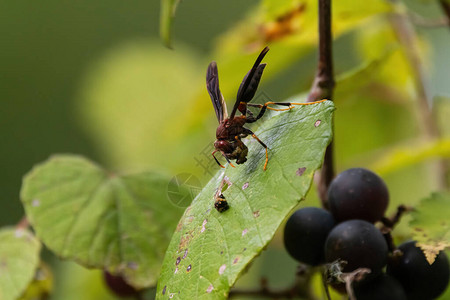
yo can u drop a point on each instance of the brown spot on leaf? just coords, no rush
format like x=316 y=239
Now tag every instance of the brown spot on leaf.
x=235 y=261
x=245 y=186
x=256 y=213
x=210 y=288
x=222 y=269
x=204 y=225
x=317 y=123
x=185 y=253
x=179 y=226
x=184 y=241
x=189 y=268
x=19 y=233
x=300 y=171
x=164 y=290
x=178 y=261
x=244 y=232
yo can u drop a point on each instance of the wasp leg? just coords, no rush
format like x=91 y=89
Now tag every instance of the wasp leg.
x=217 y=161
x=215 y=158
x=228 y=161
x=290 y=104
x=309 y=103
x=248 y=131
x=266 y=106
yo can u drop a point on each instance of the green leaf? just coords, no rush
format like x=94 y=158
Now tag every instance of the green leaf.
x=430 y=224
x=119 y=223
x=41 y=285
x=19 y=258
x=124 y=98
x=406 y=155
x=209 y=249
x=168 y=8
x=290 y=28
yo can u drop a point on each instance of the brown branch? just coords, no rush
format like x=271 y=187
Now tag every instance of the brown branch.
x=407 y=37
x=299 y=289
x=389 y=224
x=418 y=20
x=23 y=223
x=325 y=286
x=323 y=84
x=322 y=88
x=445 y=5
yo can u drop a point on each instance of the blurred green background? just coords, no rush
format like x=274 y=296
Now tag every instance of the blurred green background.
x=93 y=78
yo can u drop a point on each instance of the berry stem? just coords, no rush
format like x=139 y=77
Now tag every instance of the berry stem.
x=23 y=223
x=322 y=88
x=325 y=286
x=392 y=221
x=445 y=5
x=389 y=224
x=299 y=289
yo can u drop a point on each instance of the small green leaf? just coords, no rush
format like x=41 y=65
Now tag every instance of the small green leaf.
x=431 y=225
x=403 y=156
x=209 y=249
x=120 y=105
x=168 y=8
x=41 y=285
x=119 y=223
x=19 y=258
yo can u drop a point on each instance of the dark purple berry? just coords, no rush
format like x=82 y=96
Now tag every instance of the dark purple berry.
x=305 y=234
x=359 y=243
x=358 y=194
x=383 y=287
x=420 y=280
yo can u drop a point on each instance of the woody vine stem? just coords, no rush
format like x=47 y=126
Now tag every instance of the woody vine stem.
x=322 y=88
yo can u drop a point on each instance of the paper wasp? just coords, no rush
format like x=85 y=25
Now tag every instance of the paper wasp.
x=231 y=128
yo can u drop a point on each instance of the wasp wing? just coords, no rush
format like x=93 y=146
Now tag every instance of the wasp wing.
x=247 y=94
x=212 y=84
x=250 y=83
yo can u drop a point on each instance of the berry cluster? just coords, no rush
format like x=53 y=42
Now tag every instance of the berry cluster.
x=357 y=199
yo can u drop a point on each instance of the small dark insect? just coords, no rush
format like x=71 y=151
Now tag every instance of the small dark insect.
x=221 y=203
x=231 y=128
